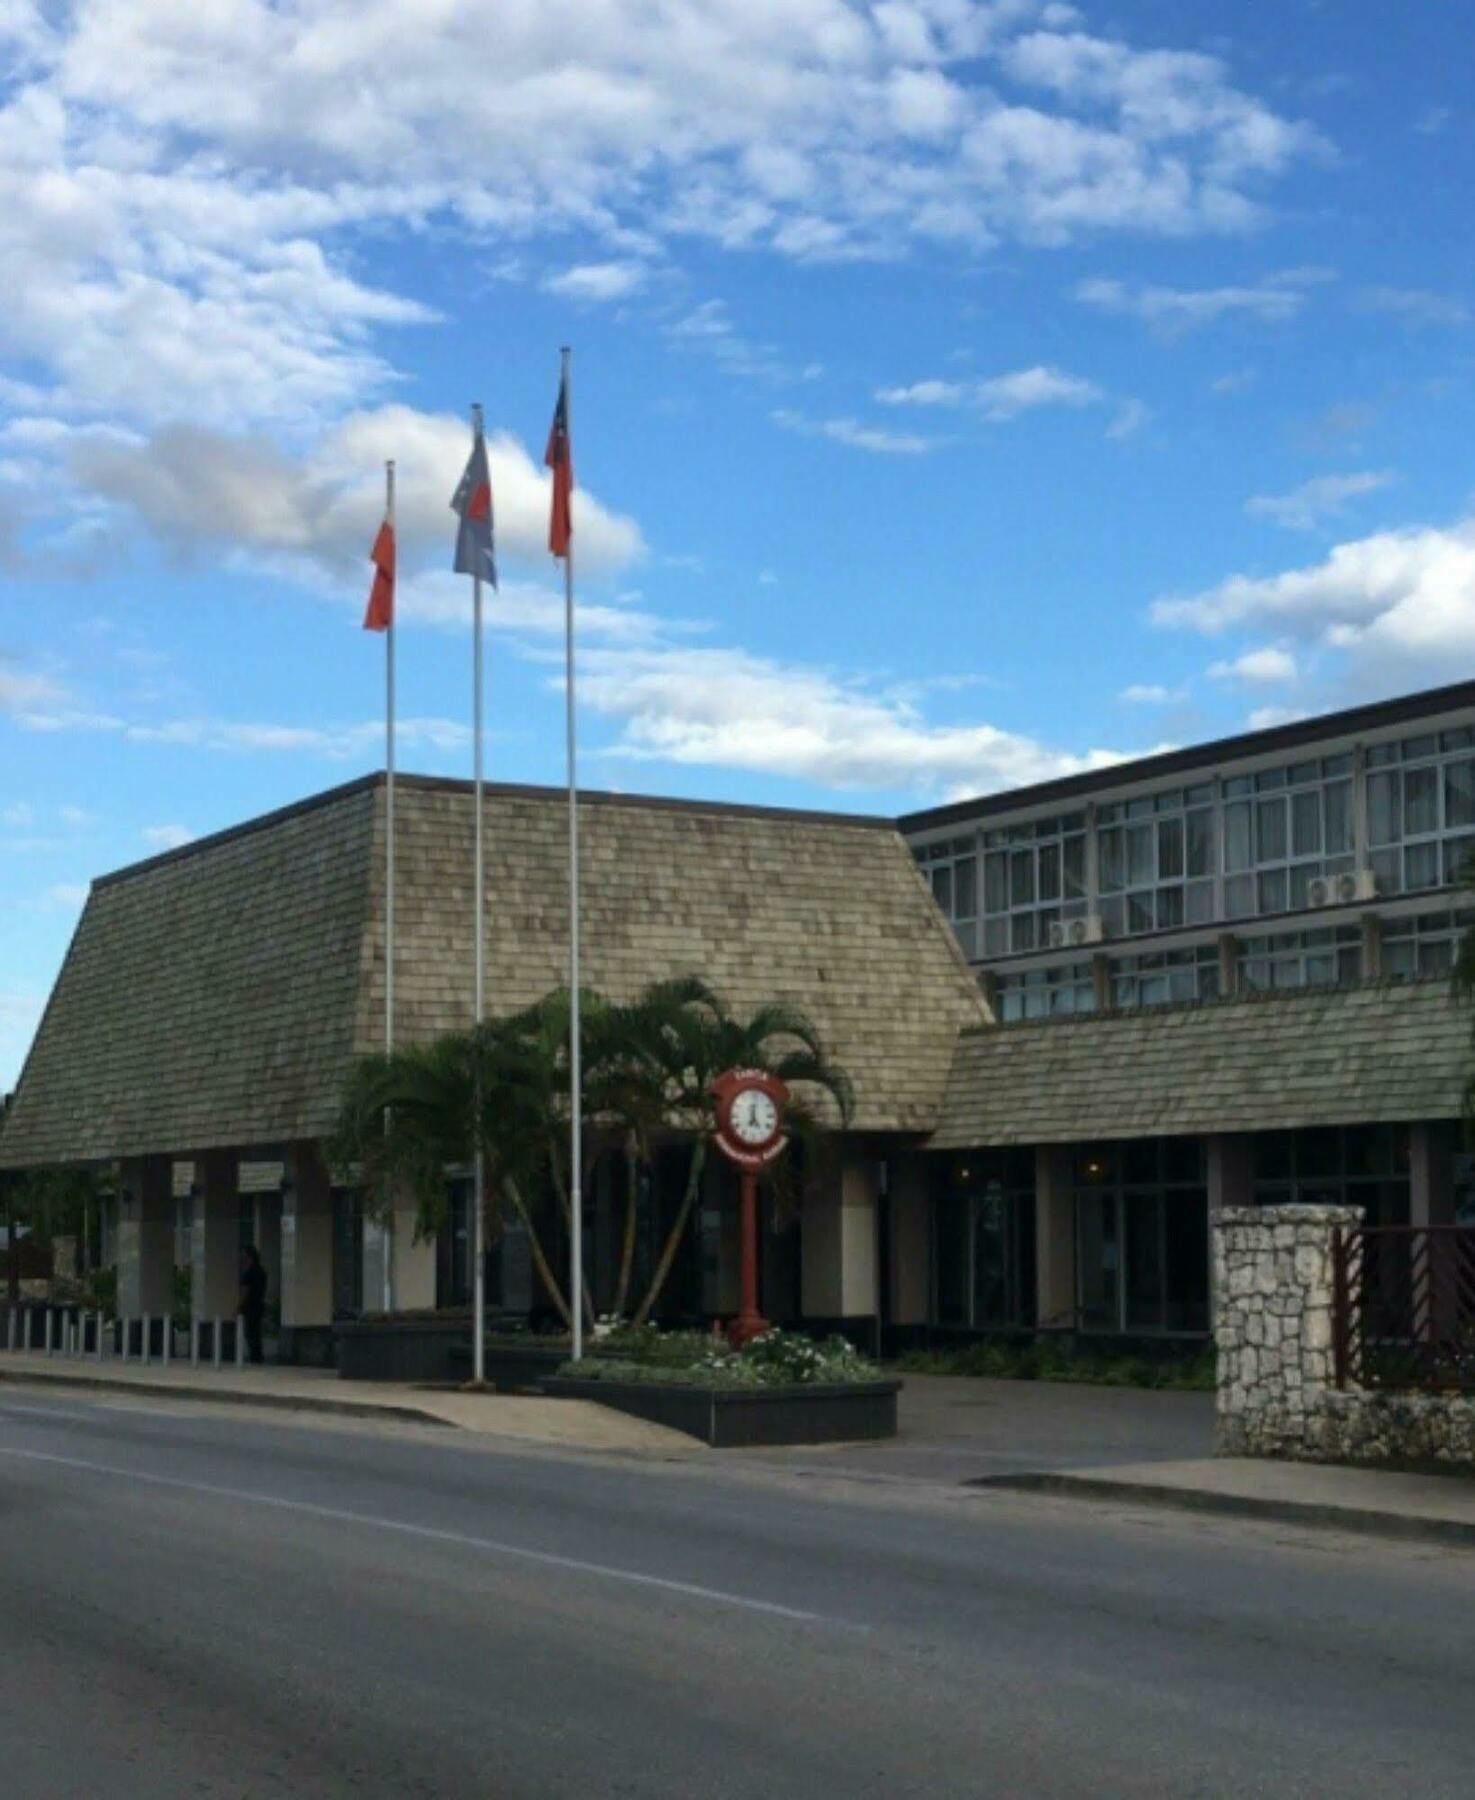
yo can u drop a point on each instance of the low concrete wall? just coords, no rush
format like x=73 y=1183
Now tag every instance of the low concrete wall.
x=1273 y=1298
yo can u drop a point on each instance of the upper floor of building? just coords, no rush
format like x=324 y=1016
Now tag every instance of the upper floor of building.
x=1312 y=854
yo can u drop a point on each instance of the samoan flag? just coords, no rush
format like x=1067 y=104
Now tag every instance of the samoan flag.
x=472 y=504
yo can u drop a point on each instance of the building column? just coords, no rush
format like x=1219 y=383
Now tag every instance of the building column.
x=1431 y=1196
x=1055 y=1239
x=215 y=1274
x=146 y=1237
x=838 y=1269
x=1230 y=1171
x=307 y=1255
x=911 y=1247
x=266 y=1233
x=414 y=1265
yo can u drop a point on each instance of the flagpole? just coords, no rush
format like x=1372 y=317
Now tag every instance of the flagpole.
x=478 y=1178
x=576 y=1085
x=389 y=869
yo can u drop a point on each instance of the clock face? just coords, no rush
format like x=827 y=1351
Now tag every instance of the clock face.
x=753 y=1118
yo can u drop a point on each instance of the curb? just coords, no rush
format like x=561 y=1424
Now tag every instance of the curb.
x=358 y=1409
x=1409 y=1527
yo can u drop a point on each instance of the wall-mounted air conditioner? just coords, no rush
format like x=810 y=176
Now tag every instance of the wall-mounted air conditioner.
x=1347 y=889
x=1074 y=934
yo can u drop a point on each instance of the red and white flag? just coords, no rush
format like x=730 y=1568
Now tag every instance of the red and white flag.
x=559 y=456
x=380 y=613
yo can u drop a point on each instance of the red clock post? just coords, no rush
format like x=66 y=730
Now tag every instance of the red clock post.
x=750 y=1133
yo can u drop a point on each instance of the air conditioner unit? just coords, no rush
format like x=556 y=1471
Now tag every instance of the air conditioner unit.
x=1072 y=934
x=1346 y=889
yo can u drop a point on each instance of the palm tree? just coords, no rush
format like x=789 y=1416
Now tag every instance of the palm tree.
x=693 y=1039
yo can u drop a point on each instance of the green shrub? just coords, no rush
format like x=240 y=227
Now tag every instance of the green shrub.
x=699 y=1359
x=1007 y=1360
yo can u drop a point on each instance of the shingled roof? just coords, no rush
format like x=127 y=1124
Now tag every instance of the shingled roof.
x=214 y=996
x=1380 y=1051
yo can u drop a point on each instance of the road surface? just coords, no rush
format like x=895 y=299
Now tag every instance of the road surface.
x=196 y=1602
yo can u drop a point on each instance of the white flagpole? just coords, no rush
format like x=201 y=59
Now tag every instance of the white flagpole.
x=388 y=1233
x=478 y=1226
x=575 y=1060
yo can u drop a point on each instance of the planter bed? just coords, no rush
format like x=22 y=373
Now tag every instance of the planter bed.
x=437 y=1350
x=732 y=1417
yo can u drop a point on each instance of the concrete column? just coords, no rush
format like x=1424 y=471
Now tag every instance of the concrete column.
x=215 y=1264
x=910 y=1245
x=146 y=1237
x=1055 y=1239
x=266 y=1230
x=1230 y=1171
x=1228 y=963
x=1431 y=1199
x=414 y=1265
x=838 y=1276
x=307 y=1242
x=1372 y=946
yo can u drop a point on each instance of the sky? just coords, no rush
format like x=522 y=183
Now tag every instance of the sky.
x=965 y=392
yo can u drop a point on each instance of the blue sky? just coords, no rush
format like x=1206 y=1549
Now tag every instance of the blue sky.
x=964 y=393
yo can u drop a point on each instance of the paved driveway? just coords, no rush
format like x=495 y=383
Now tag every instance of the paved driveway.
x=959 y=1428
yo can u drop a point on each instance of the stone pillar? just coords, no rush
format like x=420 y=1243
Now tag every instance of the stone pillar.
x=1055 y=1239
x=307 y=1256
x=146 y=1237
x=215 y=1260
x=1273 y=1326
x=910 y=1239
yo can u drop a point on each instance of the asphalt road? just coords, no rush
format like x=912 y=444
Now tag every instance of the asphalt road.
x=197 y=1603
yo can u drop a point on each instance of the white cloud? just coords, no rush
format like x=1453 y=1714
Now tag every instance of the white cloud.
x=1415 y=306
x=1323 y=497
x=1267 y=664
x=1265 y=718
x=597 y=281
x=1150 y=693
x=167 y=837
x=1394 y=609
x=181 y=188
x=726 y=708
x=197 y=487
x=1130 y=418
x=23 y=691
x=1000 y=397
x=853 y=434
x=77 y=817
x=1271 y=300
x=18 y=816
x=69 y=894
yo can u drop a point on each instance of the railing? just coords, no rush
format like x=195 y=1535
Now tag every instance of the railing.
x=1403 y=1307
x=72 y=1331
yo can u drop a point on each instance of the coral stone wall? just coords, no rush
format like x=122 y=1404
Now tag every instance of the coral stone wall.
x=1273 y=1324
x=1273 y=1328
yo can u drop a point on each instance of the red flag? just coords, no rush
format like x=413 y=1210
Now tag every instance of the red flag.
x=380 y=613
x=559 y=457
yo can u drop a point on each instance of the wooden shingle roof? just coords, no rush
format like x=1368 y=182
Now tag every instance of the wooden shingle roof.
x=1381 y=1051
x=213 y=997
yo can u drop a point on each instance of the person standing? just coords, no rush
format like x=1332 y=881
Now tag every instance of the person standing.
x=253 y=1301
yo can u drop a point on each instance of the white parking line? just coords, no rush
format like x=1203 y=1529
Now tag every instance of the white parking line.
x=491 y=1546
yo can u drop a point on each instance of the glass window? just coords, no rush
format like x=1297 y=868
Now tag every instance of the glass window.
x=1459 y=794
x=1306 y=823
x=1384 y=810
x=1420 y=801
x=1142 y=1243
x=1270 y=830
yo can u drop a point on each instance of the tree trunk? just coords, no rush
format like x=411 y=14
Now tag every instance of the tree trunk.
x=673 y=1239
x=627 y=1247
x=540 y=1260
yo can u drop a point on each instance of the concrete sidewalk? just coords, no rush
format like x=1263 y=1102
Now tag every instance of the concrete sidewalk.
x=1429 y=1508
x=572 y=1424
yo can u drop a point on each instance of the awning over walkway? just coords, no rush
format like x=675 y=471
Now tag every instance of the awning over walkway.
x=1383 y=1051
